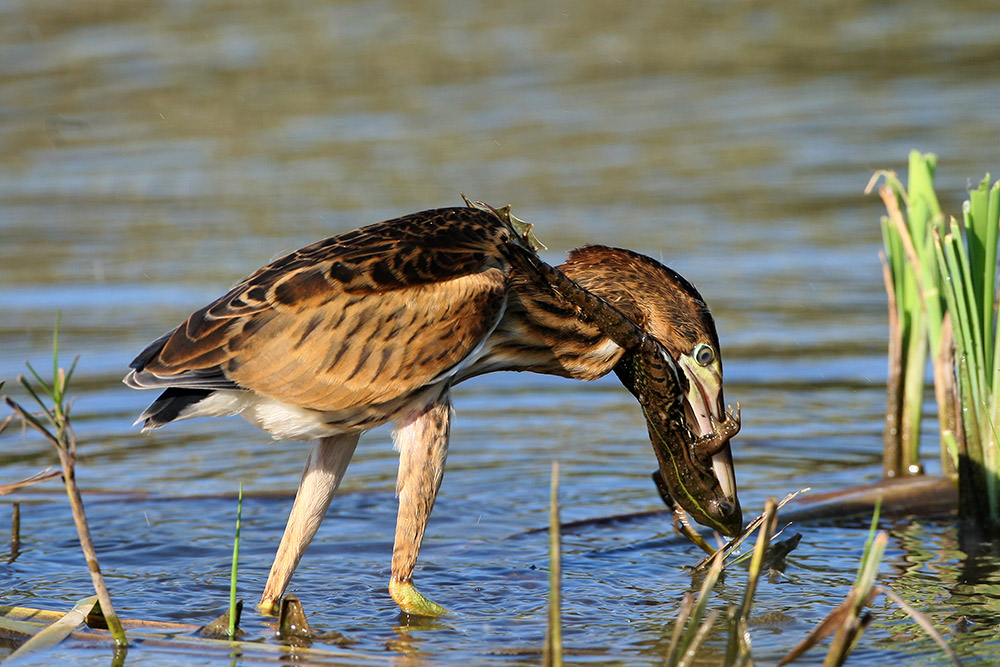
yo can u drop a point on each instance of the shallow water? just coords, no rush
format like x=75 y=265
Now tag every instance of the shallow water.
x=155 y=154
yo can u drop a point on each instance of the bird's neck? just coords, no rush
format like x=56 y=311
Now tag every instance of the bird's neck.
x=541 y=334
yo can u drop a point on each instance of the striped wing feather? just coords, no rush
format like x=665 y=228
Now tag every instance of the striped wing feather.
x=360 y=318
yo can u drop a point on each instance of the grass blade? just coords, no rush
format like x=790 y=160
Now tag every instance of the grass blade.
x=31 y=419
x=854 y=623
x=46 y=388
x=846 y=618
x=233 y=616
x=872 y=531
x=989 y=270
x=975 y=213
x=756 y=563
x=15 y=531
x=821 y=631
x=55 y=359
x=967 y=301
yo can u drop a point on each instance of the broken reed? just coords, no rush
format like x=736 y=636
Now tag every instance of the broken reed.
x=940 y=276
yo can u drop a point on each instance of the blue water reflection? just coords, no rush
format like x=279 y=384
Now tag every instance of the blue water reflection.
x=155 y=154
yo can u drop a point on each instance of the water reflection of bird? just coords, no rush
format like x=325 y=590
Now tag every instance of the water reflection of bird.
x=377 y=324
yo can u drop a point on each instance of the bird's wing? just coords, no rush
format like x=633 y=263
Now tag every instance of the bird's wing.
x=360 y=318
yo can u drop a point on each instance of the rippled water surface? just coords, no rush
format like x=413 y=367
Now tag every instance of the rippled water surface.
x=155 y=153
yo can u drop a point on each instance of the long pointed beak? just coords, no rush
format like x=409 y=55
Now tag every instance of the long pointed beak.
x=704 y=409
x=692 y=466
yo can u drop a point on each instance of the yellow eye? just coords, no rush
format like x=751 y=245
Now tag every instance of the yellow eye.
x=704 y=354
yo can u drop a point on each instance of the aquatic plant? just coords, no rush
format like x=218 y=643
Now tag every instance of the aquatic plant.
x=848 y=620
x=693 y=625
x=845 y=623
x=227 y=625
x=941 y=281
x=967 y=258
x=553 y=653
x=916 y=312
x=50 y=635
x=58 y=430
x=233 y=617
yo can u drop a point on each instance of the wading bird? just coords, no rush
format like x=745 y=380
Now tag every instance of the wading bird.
x=376 y=325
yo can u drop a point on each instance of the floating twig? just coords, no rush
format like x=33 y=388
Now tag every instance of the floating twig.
x=57 y=631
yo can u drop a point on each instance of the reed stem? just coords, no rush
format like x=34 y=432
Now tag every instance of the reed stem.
x=553 y=639
x=941 y=280
x=64 y=441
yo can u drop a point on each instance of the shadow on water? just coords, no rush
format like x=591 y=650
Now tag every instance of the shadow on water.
x=153 y=154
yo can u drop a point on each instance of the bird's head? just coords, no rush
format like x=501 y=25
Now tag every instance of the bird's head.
x=696 y=466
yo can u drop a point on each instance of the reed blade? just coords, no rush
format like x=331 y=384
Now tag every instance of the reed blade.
x=233 y=616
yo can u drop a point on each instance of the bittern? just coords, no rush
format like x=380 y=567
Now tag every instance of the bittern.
x=376 y=325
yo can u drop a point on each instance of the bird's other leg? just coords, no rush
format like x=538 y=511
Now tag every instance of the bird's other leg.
x=324 y=469
x=422 y=441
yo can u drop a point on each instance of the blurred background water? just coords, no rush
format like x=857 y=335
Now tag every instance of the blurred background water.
x=154 y=153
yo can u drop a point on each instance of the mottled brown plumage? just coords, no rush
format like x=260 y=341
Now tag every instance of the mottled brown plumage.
x=377 y=324
x=680 y=392
x=348 y=327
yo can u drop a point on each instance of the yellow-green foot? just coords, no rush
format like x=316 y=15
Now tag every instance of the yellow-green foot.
x=412 y=601
x=268 y=607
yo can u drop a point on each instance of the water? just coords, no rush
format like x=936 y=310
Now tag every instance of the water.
x=155 y=154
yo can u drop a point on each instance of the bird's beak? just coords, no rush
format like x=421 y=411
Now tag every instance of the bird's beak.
x=705 y=412
x=692 y=466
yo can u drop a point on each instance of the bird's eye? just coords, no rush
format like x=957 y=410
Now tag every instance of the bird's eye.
x=704 y=354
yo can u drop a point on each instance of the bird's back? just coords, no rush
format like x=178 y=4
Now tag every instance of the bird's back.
x=360 y=320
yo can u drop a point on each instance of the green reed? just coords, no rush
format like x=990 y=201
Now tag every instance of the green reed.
x=967 y=257
x=233 y=615
x=941 y=278
x=912 y=282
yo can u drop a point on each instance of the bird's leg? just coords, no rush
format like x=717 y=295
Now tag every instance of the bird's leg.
x=422 y=441
x=324 y=469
